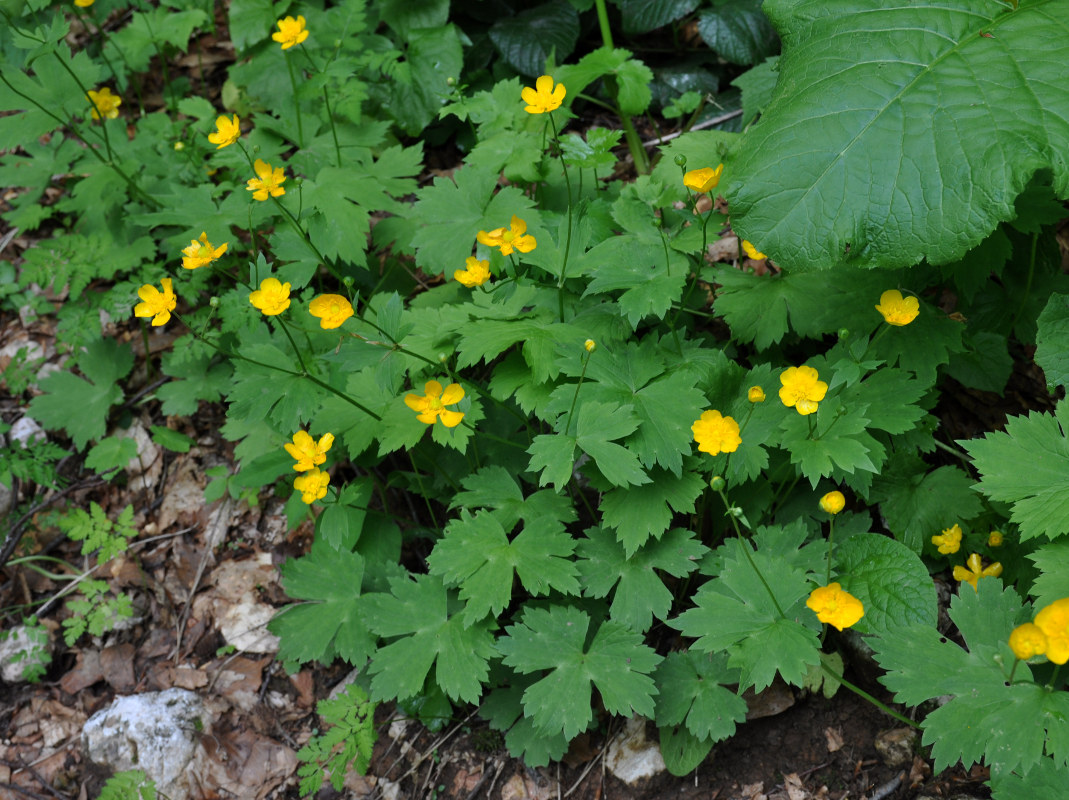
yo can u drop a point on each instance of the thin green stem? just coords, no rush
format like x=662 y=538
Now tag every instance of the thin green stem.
x=296 y=102
x=1027 y=283
x=293 y=344
x=862 y=693
x=745 y=547
x=423 y=492
x=603 y=23
x=568 y=235
x=333 y=130
x=575 y=397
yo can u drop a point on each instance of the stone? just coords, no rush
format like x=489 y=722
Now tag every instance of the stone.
x=24 y=651
x=896 y=746
x=631 y=757
x=156 y=732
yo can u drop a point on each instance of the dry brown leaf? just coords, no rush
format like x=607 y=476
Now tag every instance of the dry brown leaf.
x=85 y=673
x=117 y=664
x=776 y=699
x=795 y=790
x=834 y=738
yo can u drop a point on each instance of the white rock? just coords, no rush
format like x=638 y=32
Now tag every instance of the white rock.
x=26 y=431
x=156 y=732
x=631 y=757
x=21 y=648
x=244 y=625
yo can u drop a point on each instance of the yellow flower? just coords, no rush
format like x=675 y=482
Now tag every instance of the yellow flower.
x=544 y=97
x=312 y=485
x=105 y=104
x=156 y=304
x=975 y=571
x=290 y=32
x=332 y=310
x=590 y=345
x=475 y=273
x=752 y=251
x=200 y=253
x=898 y=310
x=269 y=181
x=833 y=502
x=272 y=298
x=1028 y=640
x=716 y=434
x=226 y=132
x=994 y=539
x=515 y=238
x=1054 y=622
x=834 y=606
x=704 y=179
x=432 y=404
x=949 y=541
x=756 y=394
x=84 y=3
x=309 y=453
x=802 y=389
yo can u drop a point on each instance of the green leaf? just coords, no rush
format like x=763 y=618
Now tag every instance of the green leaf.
x=1052 y=561
x=341 y=523
x=975 y=85
x=476 y=554
x=616 y=662
x=347 y=741
x=172 y=440
x=404 y=15
x=985 y=364
x=889 y=579
x=112 y=452
x=534 y=39
x=1028 y=465
x=433 y=55
x=251 y=21
x=682 y=750
x=840 y=441
x=503 y=710
x=1051 y=352
x=199 y=379
x=640 y=512
x=693 y=688
x=922 y=346
x=640 y=594
x=417 y=611
x=633 y=78
x=738 y=31
x=757 y=85
x=650 y=285
x=495 y=487
x=641 y=16
x=147 y=32
x=330 y=624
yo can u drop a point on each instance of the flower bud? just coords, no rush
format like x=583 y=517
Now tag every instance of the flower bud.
x=348 y=281
x=716 y=483
x=450 y=81
x=844 y=333
x=590 y=345
x=681 y=160
x=735 y=511
x=179 y=146
x=833 y=502
x=756 y=394
x=213 y=301
x=656 y=222
x=442 y=357
x=994 y=539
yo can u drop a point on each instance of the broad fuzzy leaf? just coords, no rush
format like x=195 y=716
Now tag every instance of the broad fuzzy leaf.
x=901 y=132
x=889 y=579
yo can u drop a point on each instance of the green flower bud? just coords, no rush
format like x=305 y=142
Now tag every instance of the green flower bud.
x=844 y=333
x=348 y=281
x=213 y=301
x=716 y=483
x=681 y=160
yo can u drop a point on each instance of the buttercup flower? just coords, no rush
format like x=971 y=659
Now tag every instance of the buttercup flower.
x=590 y=345
x=290 y=32
x=835 y=606
x=802 y=389
x=833 y=502
x=105 y=104
x=704 y=179
x=1028 y=640
x=332 y=310
x=312 y=485
x=545 y=97
x=1053 y=620
x=949 y=541
x=716 y=434
x=432 y=404
x=269 y=181
x=226 y=132
x=898 y=310
x=156 y=304
x=755 y=394
x=752 y=251
x=272 y=298
x=309 y=453
x=84 y=3
x=200 y=253
x=975 y=571
x=515 y=238
x=994 y=539
x=475 y=272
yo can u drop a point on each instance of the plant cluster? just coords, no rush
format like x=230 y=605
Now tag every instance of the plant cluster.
x=562 y=463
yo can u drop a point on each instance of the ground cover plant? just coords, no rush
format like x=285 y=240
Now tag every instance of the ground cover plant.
x=577 y=446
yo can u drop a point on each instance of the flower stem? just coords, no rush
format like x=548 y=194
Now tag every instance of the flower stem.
x=862 y=693
x=568 y=235
x=296 y=102
x=586 y=361
x=745 y=547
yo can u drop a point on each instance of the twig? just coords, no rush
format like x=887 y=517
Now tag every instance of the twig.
x=709 y=123
x=887 y=788
x=482 y=780
x=586 y=771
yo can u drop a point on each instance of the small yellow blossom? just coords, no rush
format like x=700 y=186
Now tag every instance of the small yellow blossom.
x=994 y=539
x=949 y=541
x=716 y=434
x=515 y=238
x=268 y=182
x=105 y=104
x=226 y=132
x=975 y=571
x=290 y=32
x=833 y=502
x=156 y=304
x=752 y=252
x=590 y=345
x=802 y=389
x=898 y=310
x=704 y=179
x=475 y=272
x=835 y=606
x=201 y=253
x=431 y=405
x=84 y=3
x=545 y=97
x=1027 y=641
x=312 y=485
x=1053 y=620
x=755 y=394
x=331 y=309
x=272 y=298
x=309 y=453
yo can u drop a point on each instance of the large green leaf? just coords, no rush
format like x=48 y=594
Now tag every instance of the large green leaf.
x=901 y=132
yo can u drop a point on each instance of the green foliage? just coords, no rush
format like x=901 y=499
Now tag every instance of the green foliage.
x=132 y=784
x=348 y=741
x=96 y=611
x=36 y=463
x=95 y=531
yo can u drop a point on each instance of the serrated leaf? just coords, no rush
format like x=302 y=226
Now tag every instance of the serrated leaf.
x=1051 y=353
x=553 y=639
x=1052 y=561
x=839 y=442
x=172 y=440
x=757 y=86
x=991 y=73
x=737 y=30
x=495 y=487
x=682 y=750
x=503 y=709
x=641 y=512
x=112 y=452
x=693 y=687
x=889 y=579
x=529 y=40
x=650 y=286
